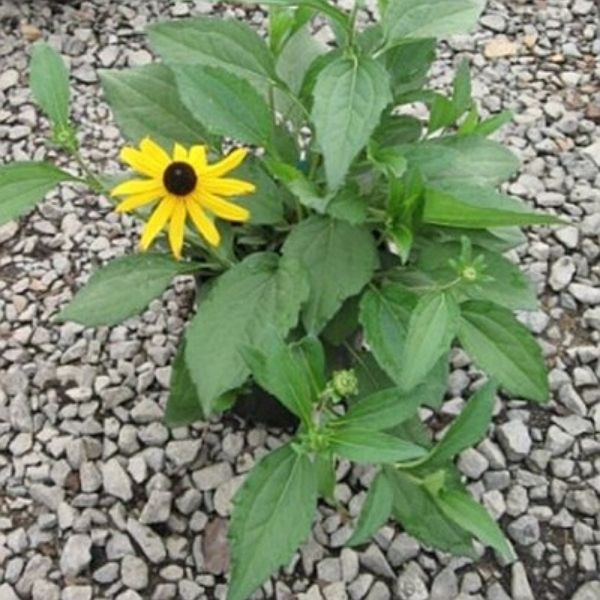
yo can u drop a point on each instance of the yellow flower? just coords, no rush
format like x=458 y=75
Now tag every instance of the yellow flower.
x=183 y=185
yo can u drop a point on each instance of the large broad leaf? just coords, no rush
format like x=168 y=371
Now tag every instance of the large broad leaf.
x=429 y=18
x=431 y=329
x=468 y=514
x=477 y=207
x=381 y=410
x=507 y=285
x=503 y=347
x=123 y=288
x=419 y=514
x=470 y=160
x=49 y=82
x=225 y=43
x=183 y=405
x=349 y=96
x=369 y=446
x=225 y=104
x=288 y=373
x=272 y=516
x=340 y=259
x=260 y=292
x=408 y=64
x=375 y=510
x=144 y=103
x=467 y=429
x=24 y=184
x=384 y=315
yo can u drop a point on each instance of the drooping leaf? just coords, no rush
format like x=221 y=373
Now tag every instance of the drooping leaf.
x=272 y=516
x=384 y=315
x=375 y=510
x=467 y=429
x=339 y=258
x=431 y=329
x=368 y=446
x=503 y=347
x=122 y=289
x=408 y=63
x=471 y=160
x=183 y=405
x=381 y=410
x=429 y=18
x=261 y=291
x=421 y=517
x=225 y=104
x=144 y=103
x=49 y=82
x=470 y=515
x=24 y=184
x=288 y=372
x=349 y=96
x=477 y=207
x=228 y=44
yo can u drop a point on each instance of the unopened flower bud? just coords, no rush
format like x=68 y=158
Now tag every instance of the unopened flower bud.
x=345 y=383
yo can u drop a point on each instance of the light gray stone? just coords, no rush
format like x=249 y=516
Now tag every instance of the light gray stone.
x=115 y=480
x=134 y=572
x=76 y=555
x=514 y=439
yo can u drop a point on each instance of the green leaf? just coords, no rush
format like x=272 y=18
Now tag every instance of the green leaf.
x=368 y=446
x=49 y=82
x=478 y=207
x=228 y=44
x=266 y=203
x=349 y=96
x=381 y=410
x=384 y=315
x=467 y=429
x=144 y=103
x=375 y=511
x=397 y=129
x=503 y=347
x=471 y=160
x=340 y=260
x=24 y=184
x=421 y=517
x=442 y=114
x=408 y=64
x=260 y=291
x=508 y=287
x=272 y=516
x=468 y=514
x=225 y=103
x=326 y=476
x=183 y=405
x=494 y=123
x=289 y=373
x=429 y=18
x=461 y=92
x=348 y=205
x=123 y=288
x=432 y=327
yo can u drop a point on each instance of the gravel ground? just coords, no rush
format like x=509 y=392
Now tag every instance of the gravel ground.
x=98 y=499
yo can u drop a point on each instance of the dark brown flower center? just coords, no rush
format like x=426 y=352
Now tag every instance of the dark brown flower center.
x=180 y=178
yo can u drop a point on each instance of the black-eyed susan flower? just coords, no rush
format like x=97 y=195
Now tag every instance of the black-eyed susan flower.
x=182 y=185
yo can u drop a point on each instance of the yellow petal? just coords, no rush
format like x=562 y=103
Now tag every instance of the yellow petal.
x=227 y=187
x=143 y=163
x=203 y=224
x=157 y=221
x=230 y=162
x=222 y=208
x=176 y=228
x=136 y=186
x=179 y=153
x=198 y=158
x=136 y=200
x=155 y=152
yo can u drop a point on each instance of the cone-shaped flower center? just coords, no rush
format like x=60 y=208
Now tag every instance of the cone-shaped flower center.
x=180 y=178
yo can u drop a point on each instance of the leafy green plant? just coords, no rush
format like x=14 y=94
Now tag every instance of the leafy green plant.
x=367 y=244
